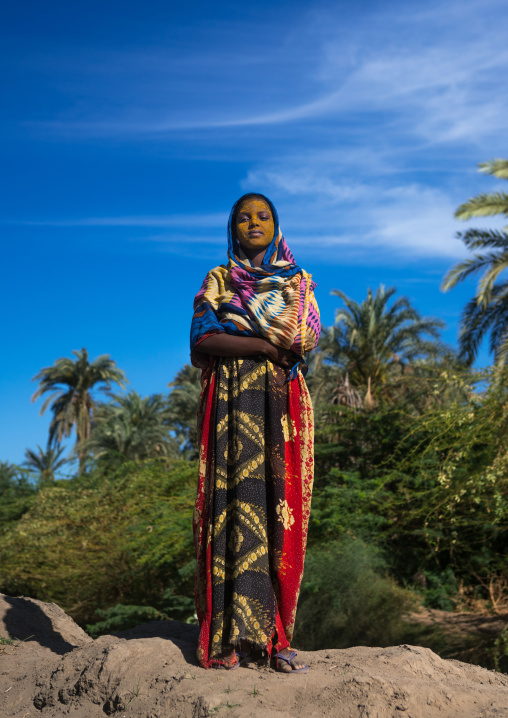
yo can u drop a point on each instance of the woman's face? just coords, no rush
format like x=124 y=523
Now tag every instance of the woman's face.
x=254 y=224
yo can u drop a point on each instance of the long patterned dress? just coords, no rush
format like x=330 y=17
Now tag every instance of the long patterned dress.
x=253 y=503
x=256 y=457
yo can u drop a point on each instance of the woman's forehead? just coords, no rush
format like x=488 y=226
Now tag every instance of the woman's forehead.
x=254 y=205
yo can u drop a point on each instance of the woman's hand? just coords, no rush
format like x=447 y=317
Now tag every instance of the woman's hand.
x=283 y=357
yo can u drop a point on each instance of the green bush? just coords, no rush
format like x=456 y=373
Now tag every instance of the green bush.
x=440 y=589
x=347 y=599
x=121 y=618
x=105 y=539
x=17 y=493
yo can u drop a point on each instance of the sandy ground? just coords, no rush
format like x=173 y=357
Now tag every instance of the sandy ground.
x=54 y=669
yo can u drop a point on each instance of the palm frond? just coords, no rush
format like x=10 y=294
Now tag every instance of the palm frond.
x=488 y=310
x=483 y=205
x=477 y=321
x=464 y=269
x=501 y=352
x=496 y=167
x=480 y=238
x=486 y=284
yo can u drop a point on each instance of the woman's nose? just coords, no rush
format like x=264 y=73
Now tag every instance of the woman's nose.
x=253 y=222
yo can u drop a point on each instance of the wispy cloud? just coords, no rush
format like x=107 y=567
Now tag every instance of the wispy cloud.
x=373 y=222
x=410 y=70
x=353 y=114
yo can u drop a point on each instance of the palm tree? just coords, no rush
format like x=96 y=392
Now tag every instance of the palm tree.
x=327 y=382
x=71 y=382
x=131 y=427
x=183 y=404
x=372 y=341
x=488 y=310
x=46 y=463
x=8 y=474
x=16 y=491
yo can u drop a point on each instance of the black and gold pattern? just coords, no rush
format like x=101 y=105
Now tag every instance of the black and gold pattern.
x=250 y=512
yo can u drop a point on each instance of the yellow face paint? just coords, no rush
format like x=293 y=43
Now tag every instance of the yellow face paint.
x=254 y=224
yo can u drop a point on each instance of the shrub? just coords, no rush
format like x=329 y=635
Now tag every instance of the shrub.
x=347 y=599
x=104 y=539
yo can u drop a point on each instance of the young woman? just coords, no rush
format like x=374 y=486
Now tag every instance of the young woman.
x=253 y=322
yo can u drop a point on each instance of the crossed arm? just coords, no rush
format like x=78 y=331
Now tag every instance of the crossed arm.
x=227 y=345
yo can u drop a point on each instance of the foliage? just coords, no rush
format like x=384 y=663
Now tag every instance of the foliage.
x=430 y=489
x=500 y=651
x=458 y=485
x=372 y=339
x=487 y=312
x=183 y=408
x=130 y=427
x=17 y=493
x=497 y=167
x=487 y=204
x=8 y=472
x=170 y=606
x=439 y=589
x=89 y=542
x=71 y=383
x=347 y=505
x=45 y=463
x=121 y=618
x=347 y=598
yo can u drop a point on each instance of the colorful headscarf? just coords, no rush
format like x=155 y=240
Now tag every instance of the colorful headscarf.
x=274 y=301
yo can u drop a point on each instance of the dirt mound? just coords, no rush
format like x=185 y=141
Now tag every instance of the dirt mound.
x=25 y=619
x=151 y=672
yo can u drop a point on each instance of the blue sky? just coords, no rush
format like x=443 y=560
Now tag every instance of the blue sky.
x=129 y=129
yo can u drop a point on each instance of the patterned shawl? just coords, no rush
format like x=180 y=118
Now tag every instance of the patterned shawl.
x=274 y=301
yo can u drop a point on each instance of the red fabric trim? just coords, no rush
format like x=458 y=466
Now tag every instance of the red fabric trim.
x=202 y=542
x=282 y=641
x=295 y=539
